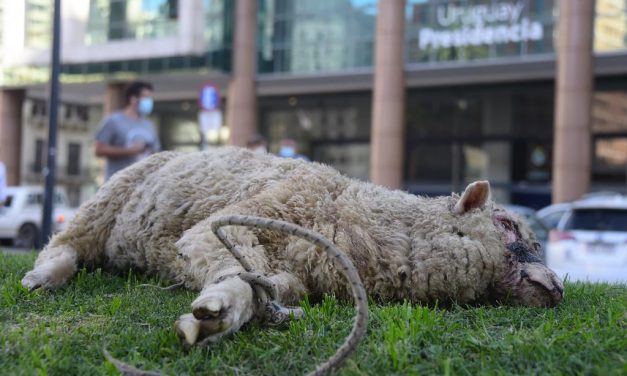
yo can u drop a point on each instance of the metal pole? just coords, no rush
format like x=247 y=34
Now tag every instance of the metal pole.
x=49 y=172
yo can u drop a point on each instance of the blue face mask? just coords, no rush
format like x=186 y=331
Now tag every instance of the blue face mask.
x=287 y=152
x=145 y=105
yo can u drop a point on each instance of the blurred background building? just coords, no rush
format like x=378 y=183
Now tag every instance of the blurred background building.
x=479 y=85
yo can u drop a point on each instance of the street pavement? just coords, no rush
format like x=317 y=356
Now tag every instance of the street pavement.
x=14 y=250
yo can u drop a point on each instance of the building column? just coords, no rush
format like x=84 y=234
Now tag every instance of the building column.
x=388 y=114
x=241 y=111
x=114 y=97
x=574 y=89
x=11 y=101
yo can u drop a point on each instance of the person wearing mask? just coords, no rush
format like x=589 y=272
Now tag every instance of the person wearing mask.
x=127 y=136
x=289 y=149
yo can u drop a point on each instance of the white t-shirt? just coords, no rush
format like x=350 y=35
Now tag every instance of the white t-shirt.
x=3 y=182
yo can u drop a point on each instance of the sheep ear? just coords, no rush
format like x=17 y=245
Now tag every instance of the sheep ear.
x=475 y=196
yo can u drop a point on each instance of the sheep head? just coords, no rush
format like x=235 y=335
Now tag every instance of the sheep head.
x=523 y=278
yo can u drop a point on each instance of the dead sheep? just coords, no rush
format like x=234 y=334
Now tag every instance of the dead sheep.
x=155 y=216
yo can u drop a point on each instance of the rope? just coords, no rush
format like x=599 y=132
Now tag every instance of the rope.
x=167 y=288
x=125 y=369
x=359 y=293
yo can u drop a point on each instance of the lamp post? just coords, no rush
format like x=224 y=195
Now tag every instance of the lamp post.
x=49 y=171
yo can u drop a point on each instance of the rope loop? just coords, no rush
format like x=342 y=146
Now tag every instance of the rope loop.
x=275 y=314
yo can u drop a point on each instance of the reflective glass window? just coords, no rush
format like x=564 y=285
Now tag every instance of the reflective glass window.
x=131 y=19
x=299 y=36
x=498 y=133
x=609 y=163
x=38 y=24
x=610 y=27
x=332 y=129
x=609 y=136
x=598 y=220
x=609 y=111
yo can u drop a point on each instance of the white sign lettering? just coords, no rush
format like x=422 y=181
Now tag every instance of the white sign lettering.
x=478 y=25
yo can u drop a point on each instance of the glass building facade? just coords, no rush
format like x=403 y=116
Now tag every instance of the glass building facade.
x=455 y=135
x=325 y=36
x=130 y=19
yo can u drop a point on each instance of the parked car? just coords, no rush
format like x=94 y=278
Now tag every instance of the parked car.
x=21 y=216
x=552 y=214
x=538 y=227
x=590 y=241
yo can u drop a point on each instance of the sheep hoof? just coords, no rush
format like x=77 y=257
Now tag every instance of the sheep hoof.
x=187 y=329
x=53 y=272
x=220 y=310
x=35 y=279
x=213 y=315
x=207 y=309
x=192 y=331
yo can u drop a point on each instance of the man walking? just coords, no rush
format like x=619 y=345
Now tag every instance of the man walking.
x=127 y=136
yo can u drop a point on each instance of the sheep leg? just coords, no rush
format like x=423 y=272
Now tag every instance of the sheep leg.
x=225 y=302
x=83 y=242
x=220 y=309
x=80 y=244
x=53 y=268
x=223 y=308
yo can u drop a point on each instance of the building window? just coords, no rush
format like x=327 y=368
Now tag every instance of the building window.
x=131 y=19
x=40 y=147
x=331 y=129
x=38 y=24
x=82 y=113
x=76 y=112
x=610 y=26
x=39 y=108
x=609 y=163
x=74 y=195
x=499 y=133
x=609 y=137
x=315 y=36
x=74 y=159
x=218 y=23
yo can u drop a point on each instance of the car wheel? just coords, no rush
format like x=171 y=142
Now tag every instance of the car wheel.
x=27 y=237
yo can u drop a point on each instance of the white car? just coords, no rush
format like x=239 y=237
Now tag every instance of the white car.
x=552 y=214
x=21 y=215
x=590 y=241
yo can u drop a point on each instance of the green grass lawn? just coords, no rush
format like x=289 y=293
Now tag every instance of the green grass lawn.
x=63 y=333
